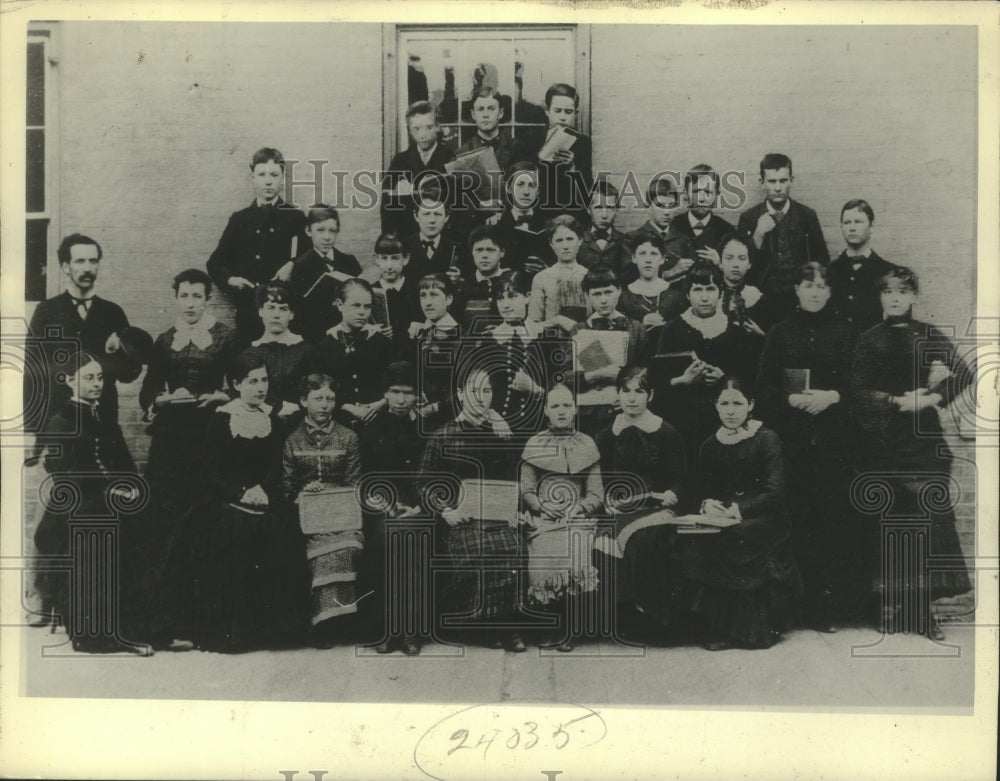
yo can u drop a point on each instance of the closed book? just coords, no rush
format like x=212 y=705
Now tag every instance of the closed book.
x=671 y=364
x=490 y=500
x=796 y=381
x=329 y=510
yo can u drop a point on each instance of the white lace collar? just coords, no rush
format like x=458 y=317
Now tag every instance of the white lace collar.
x=656 y=286
x=285 y=337
x=646 y=422
x=198 y=334
x=709 y=327
x=368 y=329
x=730 y=436
x=246 y=422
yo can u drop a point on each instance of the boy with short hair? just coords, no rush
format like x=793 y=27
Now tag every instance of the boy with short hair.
x=393 y=291
x=566 y=177
x=487 y=113
x=426 y=152
x=259 y=243
x=602 y=289
x=705 y=228
x=430 y=249
x=785 y=234
x=316 y=311
x=854 y=276
x=522 y=224
x=662 y=200
x=603 y=244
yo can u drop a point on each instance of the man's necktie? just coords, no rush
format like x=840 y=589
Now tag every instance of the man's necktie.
x=428 y=247
x=778 y=217
x=82 y=307
x=601 y=235
x=522 y=219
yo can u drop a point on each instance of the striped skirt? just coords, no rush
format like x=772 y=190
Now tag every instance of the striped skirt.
x=333 y=564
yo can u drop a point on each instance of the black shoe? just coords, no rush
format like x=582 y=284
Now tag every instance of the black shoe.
x=718 y=645
x=517 y=644
x=934 y=630
x=386 y=646
x=411 y=646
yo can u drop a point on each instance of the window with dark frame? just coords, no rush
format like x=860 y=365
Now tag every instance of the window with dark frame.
x=37 y=206
x=444 y=65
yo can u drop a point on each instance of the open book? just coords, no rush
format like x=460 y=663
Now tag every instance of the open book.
x=481 y=168
x=325 y=286
x=593 y=350
x=560 y=139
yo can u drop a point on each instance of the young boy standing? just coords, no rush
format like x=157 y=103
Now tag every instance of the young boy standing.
x=259 y=243
x=393 y=292
x=705 y=228
x=316 y=311
x=429 y=249
x=854 y=276
x=487 y=113
x=785 y=235
x=425 y=153
x=662 y=200
x=522 y=223
x=602 y=244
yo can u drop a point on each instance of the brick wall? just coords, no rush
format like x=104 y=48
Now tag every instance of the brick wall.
x=158 y=123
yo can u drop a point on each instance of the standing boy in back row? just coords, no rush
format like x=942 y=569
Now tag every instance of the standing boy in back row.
x=785 y=234
x=259 y=243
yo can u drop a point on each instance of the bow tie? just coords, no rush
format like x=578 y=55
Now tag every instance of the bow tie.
x=698 y=227
x=428 y=247
x=601 y=235
x=522 y=219
x=493 y=142
x=82 y=306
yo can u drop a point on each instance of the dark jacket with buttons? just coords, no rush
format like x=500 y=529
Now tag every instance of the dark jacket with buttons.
x=356 y=365
x=855 y=296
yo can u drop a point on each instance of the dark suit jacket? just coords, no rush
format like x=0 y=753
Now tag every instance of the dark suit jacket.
x=797 y=239
x=449 y=252
x=397 y=211
x=715 y=231
x=855 y=296
x=404 y=308
x=615 y=254
x=314 y=316
x=507 y=150
x=58 y=332
x=521 y=244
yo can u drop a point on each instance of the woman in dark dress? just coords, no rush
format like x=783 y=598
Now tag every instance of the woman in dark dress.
x=685 y=386
x=468 y=480
x=184 y=384
x=249 y=583
x=355 y=353
x=742 y=582
x=287 y=355
x=92 y=475
x=904 y=372
x=644 y=473
x=803 y=387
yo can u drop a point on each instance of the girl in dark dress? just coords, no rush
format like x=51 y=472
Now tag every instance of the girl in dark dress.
x=741 y=583
x=517 y=356
x=468 y=480
x=248 y=572
x=287 y=355
x=183 y=386
x=355 y=353
x=684 y=396
x=644 y=473
x=92 y=476
x=812 y=419
x=904 y=372
x=650 y=299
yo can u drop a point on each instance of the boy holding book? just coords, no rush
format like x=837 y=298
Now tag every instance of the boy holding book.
x=603 y=244
x=699 y=223
x=394 y=302
x=662 y=201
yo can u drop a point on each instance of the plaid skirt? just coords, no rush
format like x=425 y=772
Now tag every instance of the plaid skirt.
x=486 y=555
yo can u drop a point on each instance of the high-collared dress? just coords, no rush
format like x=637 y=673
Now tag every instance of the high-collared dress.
x=356 y=360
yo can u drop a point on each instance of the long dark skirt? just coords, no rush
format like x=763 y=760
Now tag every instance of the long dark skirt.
x=487 y=556
x=242 y=577
x=749 y=596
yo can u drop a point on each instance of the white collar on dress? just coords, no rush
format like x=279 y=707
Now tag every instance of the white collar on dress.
x=729 y=436
x=446 y=323
x=658 y=285
x=285 y=337
x=709 y=327
x=247 y=422
x=197 y=334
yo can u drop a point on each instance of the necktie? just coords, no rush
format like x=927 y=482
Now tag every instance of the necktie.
x=82 y=307
x=522 y=219
x=601 y=235
x=491 y=142
x=778 y=217
x=698 y=228
x=428 y=247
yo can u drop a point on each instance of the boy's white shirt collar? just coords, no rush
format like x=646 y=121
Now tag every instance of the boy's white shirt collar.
x=784 y=209
x=694 y=222
x=856 y=255
x=273 y=202
x=446 y=323
x=436 y=240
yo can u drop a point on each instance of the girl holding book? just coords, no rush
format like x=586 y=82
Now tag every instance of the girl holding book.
x=650 y=299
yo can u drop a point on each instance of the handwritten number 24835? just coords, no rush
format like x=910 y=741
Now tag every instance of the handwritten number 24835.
x=530 y=738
